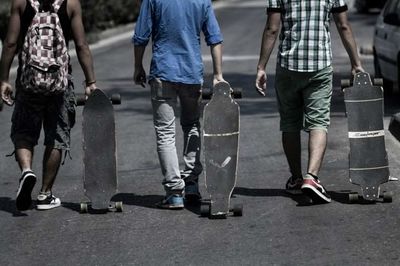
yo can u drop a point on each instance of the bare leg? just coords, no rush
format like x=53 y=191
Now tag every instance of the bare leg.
x=292 y=147
x=316 y=150
x=24 y=158
x=51 y=164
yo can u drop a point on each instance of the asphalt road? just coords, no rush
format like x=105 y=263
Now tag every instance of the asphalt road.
x=276 y=229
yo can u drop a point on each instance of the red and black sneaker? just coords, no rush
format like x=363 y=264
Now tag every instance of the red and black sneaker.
x=313 y=189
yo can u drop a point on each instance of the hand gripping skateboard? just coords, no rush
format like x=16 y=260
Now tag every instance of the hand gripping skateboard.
x=100 y=180
x=368 y=161
x=221 y=142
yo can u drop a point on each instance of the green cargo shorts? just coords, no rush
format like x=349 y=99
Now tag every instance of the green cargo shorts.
x=55 y=113
x=304 y=99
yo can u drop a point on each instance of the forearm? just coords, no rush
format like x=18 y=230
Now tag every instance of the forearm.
x=350 y=45
x=7 y=57
x=139 y=53
x=216 y=54
x=86 y=62
x=270 y=35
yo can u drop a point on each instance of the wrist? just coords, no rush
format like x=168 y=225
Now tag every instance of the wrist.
x=89 y=82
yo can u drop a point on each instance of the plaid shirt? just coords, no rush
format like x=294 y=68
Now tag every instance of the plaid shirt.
x=305 y=42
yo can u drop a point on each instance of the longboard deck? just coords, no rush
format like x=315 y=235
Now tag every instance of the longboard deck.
x=99 y=146
x=221 y=142
x=368 y=162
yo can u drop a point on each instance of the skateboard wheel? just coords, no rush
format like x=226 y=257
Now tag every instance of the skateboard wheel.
x=1 y=104
x=345 y=83
x=118 y=206
x=378 y=82
x=387 y=197
x=80 y=99
x=353 y=197
x=206 y=93
x=237 y=210
x=116 y=98
x=237 y=93
x=204 y=210
x=84 y=207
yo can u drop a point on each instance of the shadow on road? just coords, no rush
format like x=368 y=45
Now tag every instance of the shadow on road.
x=341 y=196
x=8 y=205
x=272 y=192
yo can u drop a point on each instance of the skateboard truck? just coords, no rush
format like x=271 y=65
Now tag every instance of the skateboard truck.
x=207 y=93
x=206 y=210
x=81 y=99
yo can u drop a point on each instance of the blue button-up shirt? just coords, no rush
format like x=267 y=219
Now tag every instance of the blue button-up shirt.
x=175 y=27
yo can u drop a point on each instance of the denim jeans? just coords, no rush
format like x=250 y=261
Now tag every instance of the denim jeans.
x=164 y=101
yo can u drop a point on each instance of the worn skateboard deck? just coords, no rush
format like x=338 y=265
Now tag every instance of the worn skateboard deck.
x=368 y=161
x=99 y=150
x=221 y=146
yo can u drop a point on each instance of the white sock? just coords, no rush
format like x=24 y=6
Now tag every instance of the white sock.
x=26 y=170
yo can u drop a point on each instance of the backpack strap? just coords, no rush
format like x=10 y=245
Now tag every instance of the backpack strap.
x=57 y=4
x=35 y=5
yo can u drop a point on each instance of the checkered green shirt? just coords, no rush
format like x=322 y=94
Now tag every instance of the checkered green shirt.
x=305 y=41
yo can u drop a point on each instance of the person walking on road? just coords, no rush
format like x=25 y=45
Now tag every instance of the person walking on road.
x=177 y=72
x=39 y=30
x=303 y=80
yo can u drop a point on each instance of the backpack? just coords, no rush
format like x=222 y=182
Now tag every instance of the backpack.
x=44 y=54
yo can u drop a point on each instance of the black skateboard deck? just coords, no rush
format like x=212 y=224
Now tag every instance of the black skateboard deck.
x=99 y=152
x=368 y=161
x=221 y=146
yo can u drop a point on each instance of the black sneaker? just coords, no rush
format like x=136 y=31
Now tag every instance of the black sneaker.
x=26 y=184
x=47 y=202
x=313 y=189
x=293 y=185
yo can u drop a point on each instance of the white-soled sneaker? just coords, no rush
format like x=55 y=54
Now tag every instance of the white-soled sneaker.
x=24 y=197
x=47 y=202
x=314 y=189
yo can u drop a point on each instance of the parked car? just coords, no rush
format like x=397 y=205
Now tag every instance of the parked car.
x=363 y=6
x=386 y=45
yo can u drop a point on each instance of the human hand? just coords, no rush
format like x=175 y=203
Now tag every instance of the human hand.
x=7 y=93
x=261 y=82
x=139 y=76
x=89 y=89
x=356 y=69
x=217 y=79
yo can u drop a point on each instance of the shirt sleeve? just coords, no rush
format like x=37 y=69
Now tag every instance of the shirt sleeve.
x=274 y=6
x=210 y=28
x=144 y=25
x=339 y=6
